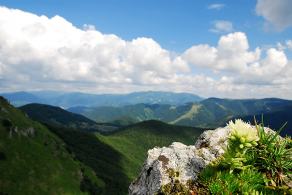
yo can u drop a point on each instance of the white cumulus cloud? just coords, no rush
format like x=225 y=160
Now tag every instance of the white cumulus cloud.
x=276 y=12
x=232 y=56
x=38 y=47
x=38 y=52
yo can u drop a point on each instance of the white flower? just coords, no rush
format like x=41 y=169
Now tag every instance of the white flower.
x=243 y=131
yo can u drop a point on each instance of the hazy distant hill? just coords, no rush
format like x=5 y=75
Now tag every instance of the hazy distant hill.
x=211 y=112
x=21 y=98
x=275 y=120
x=132 y=113
x=35 y=161
x=56 y=116
x=82 y=99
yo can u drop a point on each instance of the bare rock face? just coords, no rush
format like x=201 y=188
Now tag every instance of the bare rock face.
x=186 y=161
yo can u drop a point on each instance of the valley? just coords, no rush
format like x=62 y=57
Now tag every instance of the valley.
x=107 y=145
x=148 y=97
x=208 y=113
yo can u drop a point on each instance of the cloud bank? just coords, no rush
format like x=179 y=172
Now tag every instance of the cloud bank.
x=37 y=52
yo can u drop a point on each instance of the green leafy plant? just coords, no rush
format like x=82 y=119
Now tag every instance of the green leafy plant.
x=256 y=161
x=242 y=138
x=247 y=181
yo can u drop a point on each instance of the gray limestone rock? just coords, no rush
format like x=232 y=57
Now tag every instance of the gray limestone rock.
x=187 y=160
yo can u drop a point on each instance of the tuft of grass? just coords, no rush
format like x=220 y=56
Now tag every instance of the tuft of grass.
x=272 y=156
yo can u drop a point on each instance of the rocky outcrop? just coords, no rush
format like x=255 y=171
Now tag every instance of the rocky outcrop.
x=27 y=132
x=185 y=161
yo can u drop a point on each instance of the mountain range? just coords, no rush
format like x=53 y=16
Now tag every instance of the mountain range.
x=208 y=113
x=107 y=112
x=100 y=150
x=73 y=99
x=32 y=155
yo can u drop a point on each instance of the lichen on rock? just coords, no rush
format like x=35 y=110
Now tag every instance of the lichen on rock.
x=187 y=161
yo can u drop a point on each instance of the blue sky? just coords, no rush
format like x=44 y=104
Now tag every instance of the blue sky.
x=175 y=24
x=235 y=49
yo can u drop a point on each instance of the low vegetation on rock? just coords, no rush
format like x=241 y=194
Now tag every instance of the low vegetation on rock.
x=256 y=161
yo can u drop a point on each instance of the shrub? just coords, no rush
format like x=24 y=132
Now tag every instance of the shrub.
x=2 y=156
x=6 y=123
x=86 y=185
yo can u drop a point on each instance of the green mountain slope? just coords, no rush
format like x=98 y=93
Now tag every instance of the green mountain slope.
x=212 y=112
x=35 y=161
x=133 y=113
x=101 y=157
x=57 y=116
x=117 y=158
x=134 y=141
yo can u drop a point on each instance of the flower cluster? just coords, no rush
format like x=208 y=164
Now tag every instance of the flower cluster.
x=244 y=133
x=242 y=137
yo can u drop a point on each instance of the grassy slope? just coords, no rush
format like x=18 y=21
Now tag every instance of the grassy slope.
x=102 y=158
x=210 y=113
x=133 y=113
x=133 y=142
x=118 y=157
x=37 y=163
x=59 y=117
x=215 y=112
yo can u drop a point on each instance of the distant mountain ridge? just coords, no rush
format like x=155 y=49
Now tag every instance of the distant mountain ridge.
x=209 y=113
x=21 y=98
x=74 y=99
x=275 y=120
x=123 y=110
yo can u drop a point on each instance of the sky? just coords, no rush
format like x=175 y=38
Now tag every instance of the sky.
x=228 y=49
